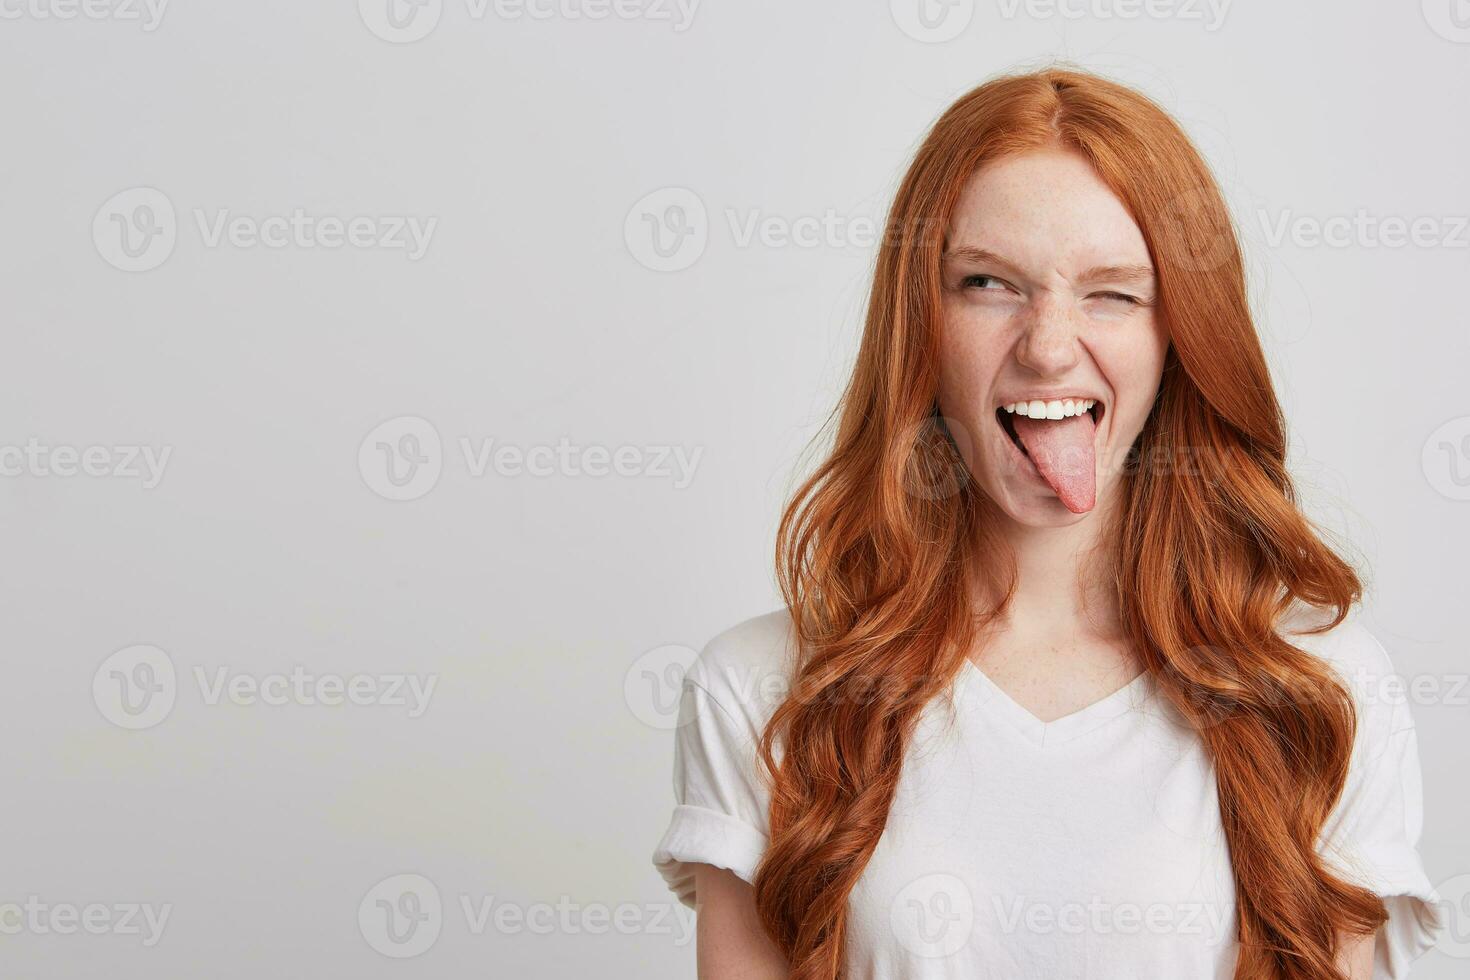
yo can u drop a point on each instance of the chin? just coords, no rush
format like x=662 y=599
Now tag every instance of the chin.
x=1005 y=473
x=1035 y=508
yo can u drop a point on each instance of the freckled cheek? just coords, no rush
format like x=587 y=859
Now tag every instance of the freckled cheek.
x=1131 y=364
x=972 y=354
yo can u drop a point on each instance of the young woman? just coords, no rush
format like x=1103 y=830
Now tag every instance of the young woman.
x=1066 y=686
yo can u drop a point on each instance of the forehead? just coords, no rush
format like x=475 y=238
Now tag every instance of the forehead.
x=1046 y=210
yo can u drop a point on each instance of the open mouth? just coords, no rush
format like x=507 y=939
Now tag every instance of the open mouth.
x=1057 y=438
x=1067 y=407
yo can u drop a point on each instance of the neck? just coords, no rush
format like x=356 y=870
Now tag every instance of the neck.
x=1061 y=580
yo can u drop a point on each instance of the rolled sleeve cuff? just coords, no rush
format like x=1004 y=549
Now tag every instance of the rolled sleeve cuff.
x=698 y=835
x=1416 y=913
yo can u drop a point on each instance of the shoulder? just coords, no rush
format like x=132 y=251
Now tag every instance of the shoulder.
x=747 y=669
x=1360 y=661
x=1349 y=648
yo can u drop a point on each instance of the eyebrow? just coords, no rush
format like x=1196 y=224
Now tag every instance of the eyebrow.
x=1135 y=274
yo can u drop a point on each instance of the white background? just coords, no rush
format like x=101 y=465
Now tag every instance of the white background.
x=539 y=772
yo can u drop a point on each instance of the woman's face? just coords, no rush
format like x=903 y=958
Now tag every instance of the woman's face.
x=1049 y=311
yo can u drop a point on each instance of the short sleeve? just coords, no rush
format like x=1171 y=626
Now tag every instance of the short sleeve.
x=720 y=814
x=1372 y=836
x=721 y=804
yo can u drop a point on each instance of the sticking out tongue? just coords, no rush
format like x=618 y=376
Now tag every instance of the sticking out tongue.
x=1063 y=454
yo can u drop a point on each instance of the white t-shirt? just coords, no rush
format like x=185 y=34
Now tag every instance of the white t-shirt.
x=1090 y=846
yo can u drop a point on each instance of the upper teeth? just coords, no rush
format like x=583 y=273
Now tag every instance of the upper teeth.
x=1052 y=409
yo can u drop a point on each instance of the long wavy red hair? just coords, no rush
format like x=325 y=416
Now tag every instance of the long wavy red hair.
x=877 y=550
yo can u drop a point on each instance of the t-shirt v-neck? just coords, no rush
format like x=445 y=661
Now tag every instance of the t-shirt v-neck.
x=1130 y=697
x=1091 y=845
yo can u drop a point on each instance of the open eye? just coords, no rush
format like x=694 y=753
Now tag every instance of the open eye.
x=981 y=282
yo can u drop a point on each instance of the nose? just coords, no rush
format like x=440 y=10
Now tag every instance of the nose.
x=1049 y=344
